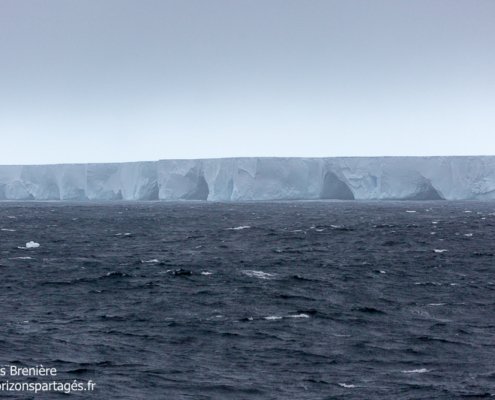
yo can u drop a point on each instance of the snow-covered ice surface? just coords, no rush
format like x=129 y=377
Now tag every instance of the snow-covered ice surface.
x=243 y=179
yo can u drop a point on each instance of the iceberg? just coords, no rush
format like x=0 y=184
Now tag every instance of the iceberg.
x=252 y=178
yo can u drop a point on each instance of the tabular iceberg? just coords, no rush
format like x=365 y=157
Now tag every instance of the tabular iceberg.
x=244 y=179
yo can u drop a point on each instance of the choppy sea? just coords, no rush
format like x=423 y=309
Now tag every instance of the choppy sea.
x=282 y=300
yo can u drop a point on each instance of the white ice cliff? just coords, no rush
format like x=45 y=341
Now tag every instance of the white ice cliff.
x=238 y=179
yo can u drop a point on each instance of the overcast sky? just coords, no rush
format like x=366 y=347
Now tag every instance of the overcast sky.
x=122 y=80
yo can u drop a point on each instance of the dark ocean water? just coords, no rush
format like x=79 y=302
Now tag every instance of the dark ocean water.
x=293 y=300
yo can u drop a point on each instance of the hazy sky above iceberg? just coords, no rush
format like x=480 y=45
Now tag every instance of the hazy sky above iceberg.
x=121 y=80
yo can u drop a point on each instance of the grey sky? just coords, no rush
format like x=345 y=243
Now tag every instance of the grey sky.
x=121 y=80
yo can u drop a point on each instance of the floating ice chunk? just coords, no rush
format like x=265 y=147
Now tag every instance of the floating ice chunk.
x=258 y=274
x=415 y=371
x=32 y=245
x=239 y=228
x=440 y=250
x=347 y=385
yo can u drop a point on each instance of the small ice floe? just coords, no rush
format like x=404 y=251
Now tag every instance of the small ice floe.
x=258 y=274
x=468 y=234
x=153 y=261
x=382 y=271
x=8 y=230
x=272 y=317
x=440 y=250
x=239 y=228
x=30 y=245
x=347 y=385
x=205 y=273
x=410 y=211
x=415 y=371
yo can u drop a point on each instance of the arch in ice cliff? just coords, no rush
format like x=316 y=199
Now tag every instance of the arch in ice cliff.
x=334 y=188
x=425 y=191
x=200 y=189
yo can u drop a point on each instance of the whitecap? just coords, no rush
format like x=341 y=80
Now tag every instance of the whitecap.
x=440 y=250
x=415 y=371
x=153 y=261
x=205 y=273
x=436 y=304
x=347 y=385
x=258 y=274
x=299 y=316
x=21 y=258
x=239 y=228
x=272 y=318
x=8 y=230
x=468 y=234
x=410 y=211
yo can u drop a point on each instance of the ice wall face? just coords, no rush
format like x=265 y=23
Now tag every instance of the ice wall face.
x=245 y=179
